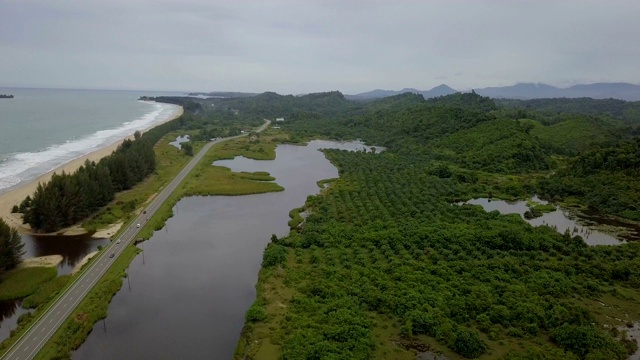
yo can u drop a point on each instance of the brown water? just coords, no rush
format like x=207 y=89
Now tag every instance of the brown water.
x=561 y=220
x=189 y=290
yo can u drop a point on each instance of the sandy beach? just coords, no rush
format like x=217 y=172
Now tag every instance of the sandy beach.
x=15 y=196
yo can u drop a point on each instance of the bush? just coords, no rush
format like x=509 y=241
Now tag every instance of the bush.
x=274 y=255
x=255 y=313
x=468 y=344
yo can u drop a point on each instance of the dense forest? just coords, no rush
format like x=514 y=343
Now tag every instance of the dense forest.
x=386 y=260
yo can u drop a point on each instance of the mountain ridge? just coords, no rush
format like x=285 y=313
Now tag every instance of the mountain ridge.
x=524 y=91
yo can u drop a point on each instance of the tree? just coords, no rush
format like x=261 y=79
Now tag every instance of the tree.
x=10 y=246
x=187 y=148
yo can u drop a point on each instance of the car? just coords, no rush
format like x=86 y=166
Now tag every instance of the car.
x=112 y=255
x=138 y=225
x=144 y=212
x=118 y=242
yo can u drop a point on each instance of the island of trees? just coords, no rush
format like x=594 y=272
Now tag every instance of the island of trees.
x=5 y=96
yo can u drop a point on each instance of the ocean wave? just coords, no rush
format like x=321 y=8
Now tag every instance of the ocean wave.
x=23 y=167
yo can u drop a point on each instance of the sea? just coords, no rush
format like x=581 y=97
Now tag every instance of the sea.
x=42 y=129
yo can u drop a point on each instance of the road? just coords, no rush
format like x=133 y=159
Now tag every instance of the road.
x=34 y=339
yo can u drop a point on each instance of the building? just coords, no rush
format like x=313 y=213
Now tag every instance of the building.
x=279 y=119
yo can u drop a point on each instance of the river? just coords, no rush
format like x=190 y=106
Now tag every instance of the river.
x=187 y=293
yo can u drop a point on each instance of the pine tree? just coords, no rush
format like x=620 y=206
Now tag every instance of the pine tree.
x=10 y=247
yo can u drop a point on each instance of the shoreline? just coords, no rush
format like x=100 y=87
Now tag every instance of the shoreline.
x=16 y=195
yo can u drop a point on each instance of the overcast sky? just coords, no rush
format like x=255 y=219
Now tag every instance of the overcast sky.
x=309 y=46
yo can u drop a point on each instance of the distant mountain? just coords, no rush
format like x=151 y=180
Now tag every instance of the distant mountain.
x=622 y=91
x=439 y=90
x=523 y=91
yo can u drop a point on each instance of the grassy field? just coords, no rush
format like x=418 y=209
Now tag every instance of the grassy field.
x=22 y=282
x=206 y=179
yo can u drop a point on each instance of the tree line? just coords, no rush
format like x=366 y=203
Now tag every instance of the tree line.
x=68 y=198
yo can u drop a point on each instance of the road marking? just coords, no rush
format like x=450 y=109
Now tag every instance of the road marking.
x=58 y=312
x=65 y=305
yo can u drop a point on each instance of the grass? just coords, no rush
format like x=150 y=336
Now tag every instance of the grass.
x=46 y=292
x=296 y=219
x=258 y=340
x=22 y=282
x=256 y=176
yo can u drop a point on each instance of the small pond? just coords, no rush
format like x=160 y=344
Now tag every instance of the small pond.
x=561 y=220
x=72 y=248
x=179 y=140
x=187 y=293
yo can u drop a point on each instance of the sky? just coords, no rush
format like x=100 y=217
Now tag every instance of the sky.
x=302 y=46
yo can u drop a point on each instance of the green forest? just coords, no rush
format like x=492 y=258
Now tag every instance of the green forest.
x=387 y=265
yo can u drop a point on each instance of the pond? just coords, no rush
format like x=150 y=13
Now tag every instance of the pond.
x=179 y=140
x=72 y=248
x=188 y=291
x=561 y=220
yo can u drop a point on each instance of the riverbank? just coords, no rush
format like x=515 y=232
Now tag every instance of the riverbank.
x=15 y=196
x=46 y=261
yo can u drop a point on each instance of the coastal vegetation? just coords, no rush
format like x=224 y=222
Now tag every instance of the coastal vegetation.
x=5 y=96
x=10 y=247
x=384 y=264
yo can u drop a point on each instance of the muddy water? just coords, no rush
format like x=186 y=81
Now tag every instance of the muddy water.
x=559 y=219
x=189 y=290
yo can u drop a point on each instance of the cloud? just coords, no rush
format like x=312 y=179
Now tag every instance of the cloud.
x=297 y=47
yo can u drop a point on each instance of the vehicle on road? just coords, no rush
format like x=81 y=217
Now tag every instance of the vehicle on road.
x=118 y=242
x=112 y=255
x=138 y=225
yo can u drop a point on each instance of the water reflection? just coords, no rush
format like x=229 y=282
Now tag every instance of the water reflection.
x=196 y=277
x=560 y=219
x=10 y=311
x=72 y=248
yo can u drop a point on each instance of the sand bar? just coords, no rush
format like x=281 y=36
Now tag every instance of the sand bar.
x=15 y=196
x=84 y=261
x=49 y=261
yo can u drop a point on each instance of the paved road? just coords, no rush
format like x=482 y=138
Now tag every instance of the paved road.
x=33 y=340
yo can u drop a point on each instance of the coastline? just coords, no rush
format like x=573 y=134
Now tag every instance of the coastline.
x=15 y=196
